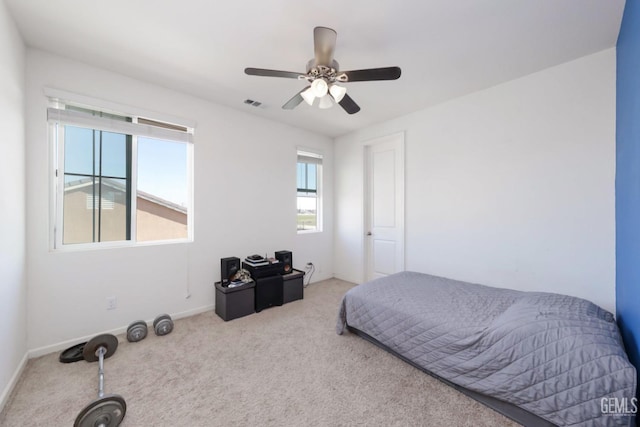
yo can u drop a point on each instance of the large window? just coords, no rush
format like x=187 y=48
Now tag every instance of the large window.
x=119 y=178
x=309 y=179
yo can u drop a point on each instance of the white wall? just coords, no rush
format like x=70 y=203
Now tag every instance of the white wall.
x=512 y=186
x=13 y=284
x=245 y=202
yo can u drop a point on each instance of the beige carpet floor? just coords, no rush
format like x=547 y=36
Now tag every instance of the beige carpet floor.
x=284 y=366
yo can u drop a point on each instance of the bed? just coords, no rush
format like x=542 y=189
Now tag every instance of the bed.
x=539 y=358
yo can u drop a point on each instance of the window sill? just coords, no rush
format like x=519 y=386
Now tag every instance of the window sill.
x=85 y=247
x=302 y=232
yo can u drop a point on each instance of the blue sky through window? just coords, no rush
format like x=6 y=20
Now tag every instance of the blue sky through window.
x=79 y=152
x=162 y=169
x=307 y=175
x=162 y=165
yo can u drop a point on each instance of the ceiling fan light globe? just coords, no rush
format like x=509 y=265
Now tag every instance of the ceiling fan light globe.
x=319 y=87
x=308 y=96
x=326 y=102
x=337 y=92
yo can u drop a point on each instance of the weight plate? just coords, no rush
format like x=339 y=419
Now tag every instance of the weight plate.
x=110 y=342
x=159 y=318
x=72 y=354
x=107 y=411
x=163 y=325
x=137 y=331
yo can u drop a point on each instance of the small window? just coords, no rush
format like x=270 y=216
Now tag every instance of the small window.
x=309 y=182
x=119 y=178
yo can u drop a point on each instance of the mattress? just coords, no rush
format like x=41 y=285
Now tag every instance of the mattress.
x=553 y=355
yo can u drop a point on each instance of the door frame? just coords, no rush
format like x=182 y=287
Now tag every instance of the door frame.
x=399 y=138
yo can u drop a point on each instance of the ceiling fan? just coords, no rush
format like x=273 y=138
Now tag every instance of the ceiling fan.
x=323 y=76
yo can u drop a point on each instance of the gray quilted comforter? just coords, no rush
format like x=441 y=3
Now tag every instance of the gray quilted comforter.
x=553 y=355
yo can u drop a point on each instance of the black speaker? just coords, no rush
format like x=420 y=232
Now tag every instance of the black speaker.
x=286 y=258
x=228 y=268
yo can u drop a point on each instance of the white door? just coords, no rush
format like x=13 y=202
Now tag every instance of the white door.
x=384 y=206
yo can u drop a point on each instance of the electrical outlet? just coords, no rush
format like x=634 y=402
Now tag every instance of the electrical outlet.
x=112 y=303
x=310 y=268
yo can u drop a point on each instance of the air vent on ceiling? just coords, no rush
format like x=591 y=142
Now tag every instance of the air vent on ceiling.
x=252 y=102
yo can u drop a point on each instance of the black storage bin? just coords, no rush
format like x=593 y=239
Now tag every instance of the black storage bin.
x=268 y=292
x=232 y=303
x=292 y=286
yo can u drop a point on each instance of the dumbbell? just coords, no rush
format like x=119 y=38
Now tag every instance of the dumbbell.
x=107 y=410
x=137 y=331
x=163 y=325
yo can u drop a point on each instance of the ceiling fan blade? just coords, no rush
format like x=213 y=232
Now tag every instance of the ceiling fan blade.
x=273 y=73
x=387 y=73
x=324 y=43
x=295 y=101
x=349 y=105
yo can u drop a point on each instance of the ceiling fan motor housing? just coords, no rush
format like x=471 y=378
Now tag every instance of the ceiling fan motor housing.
x=329 y=73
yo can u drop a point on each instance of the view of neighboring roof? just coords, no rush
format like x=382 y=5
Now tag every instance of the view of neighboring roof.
x=119 y=186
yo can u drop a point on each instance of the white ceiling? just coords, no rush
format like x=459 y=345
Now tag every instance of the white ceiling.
x=445 y=48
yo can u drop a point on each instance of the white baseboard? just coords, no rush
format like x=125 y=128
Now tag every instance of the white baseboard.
x=4 y=397
x=191 y=312
x=41 y=351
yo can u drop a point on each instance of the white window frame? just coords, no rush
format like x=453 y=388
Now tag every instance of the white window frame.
x=309 y=152
x=57 y=101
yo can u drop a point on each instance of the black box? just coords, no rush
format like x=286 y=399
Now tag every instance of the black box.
x=232 y=303
x=292 y=286
x=268 y=292
x=263 y=270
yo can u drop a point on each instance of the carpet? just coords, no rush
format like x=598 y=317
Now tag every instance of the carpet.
x=284 y=366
